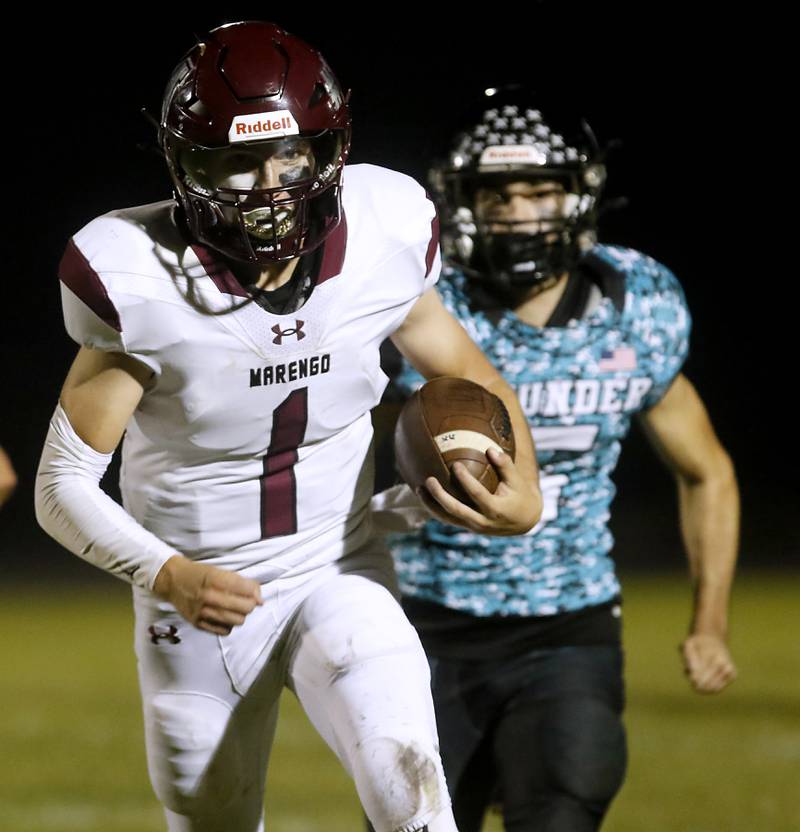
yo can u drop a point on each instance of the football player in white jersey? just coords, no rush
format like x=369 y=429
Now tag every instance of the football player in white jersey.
x=232 y=335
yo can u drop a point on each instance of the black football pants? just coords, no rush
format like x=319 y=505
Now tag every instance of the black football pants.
x=540 y=734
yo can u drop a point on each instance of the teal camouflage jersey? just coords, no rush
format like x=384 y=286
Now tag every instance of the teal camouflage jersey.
x=578 y=386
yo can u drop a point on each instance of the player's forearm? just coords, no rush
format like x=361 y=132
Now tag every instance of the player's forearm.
x=72 y=508
x=709 y=512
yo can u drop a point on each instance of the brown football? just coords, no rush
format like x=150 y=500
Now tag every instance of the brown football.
x=451 y=420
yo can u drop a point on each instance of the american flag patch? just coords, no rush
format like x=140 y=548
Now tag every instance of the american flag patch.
x=622 y=358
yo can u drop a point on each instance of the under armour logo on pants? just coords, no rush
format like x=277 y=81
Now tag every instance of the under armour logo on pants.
x=169 y=633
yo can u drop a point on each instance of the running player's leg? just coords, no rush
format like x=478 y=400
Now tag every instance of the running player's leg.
x=560 y=746
x=466 y=706
x=207 y=746
x=359 y=671
x=465 y=709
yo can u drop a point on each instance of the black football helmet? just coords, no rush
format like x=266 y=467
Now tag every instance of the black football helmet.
x=509 y=137
x=256 y=129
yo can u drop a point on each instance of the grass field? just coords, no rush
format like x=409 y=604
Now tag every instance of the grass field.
x=72 y=756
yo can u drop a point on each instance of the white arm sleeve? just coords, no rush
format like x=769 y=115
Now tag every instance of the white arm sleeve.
x=72 y=508
x=398 y=509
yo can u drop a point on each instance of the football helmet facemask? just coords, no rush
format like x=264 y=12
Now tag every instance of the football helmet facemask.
x=509 y=148
x=256 y=129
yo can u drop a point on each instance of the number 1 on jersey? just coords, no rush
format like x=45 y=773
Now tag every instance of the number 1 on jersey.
x=278 y=485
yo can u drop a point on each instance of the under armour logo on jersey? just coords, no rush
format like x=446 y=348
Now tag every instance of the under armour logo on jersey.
x=169 y=633
x=280 y=334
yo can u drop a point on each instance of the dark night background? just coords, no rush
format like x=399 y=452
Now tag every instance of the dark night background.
x=685 y=96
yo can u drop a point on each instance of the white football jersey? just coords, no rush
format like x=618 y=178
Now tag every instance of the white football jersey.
x=251 y=448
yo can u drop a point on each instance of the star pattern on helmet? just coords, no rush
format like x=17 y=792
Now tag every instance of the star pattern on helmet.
x=511 y=125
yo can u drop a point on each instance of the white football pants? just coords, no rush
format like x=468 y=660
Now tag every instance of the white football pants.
x=340 y=641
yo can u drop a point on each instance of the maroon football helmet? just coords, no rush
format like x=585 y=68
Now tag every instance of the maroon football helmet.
x=256 y=129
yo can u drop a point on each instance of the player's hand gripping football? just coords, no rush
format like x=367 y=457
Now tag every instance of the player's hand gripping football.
x=212 y=599
x=511 y=510
x=707 y=662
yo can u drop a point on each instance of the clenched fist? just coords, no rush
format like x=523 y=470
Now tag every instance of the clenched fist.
x=707 y=662
x=211 y=599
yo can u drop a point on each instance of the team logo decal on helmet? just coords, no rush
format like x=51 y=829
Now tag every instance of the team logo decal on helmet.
x=509 y=139
x=256 y=129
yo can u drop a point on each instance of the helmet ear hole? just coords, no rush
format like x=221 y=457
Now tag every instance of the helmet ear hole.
x=595 y=175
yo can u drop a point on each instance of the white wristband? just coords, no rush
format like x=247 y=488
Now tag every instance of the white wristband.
x=72 y=508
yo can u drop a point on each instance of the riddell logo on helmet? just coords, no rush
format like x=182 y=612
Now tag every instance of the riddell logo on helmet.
x=512 y=154
x=262 y=126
